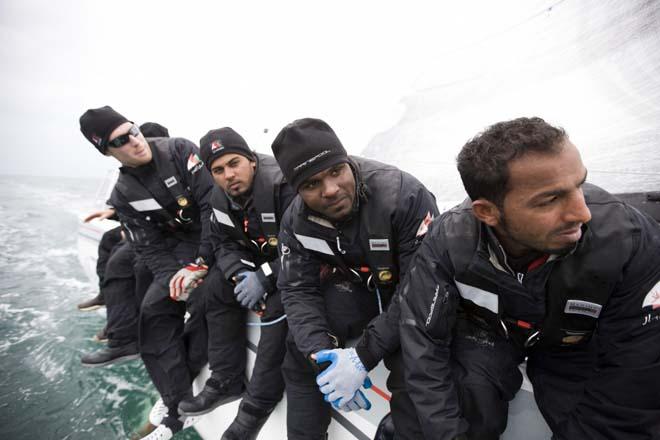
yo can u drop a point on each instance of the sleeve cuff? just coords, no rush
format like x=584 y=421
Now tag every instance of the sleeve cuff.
x=234 y=267
x=264 y=273
x=368 y=360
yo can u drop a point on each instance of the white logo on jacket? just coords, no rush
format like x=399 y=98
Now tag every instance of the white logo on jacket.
x=170 y=182
x=379 y=244
x=435 y=298
x=586 y=308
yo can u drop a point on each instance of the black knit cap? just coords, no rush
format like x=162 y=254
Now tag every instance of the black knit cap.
x=221 y=141
x=154 y=130
x=306 y=147
x=96 y=124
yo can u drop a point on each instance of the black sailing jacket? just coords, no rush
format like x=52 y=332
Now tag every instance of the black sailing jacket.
x=393 y=211
x=164 y=203
x=607 y=289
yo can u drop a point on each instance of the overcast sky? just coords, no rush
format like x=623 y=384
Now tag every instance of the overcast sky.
x=196 y=66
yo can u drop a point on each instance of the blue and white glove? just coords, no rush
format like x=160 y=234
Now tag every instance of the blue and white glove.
x=359 y=400
x=248 y=290
x=341 y=381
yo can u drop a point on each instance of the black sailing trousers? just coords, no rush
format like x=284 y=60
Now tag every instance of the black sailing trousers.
x=226 y=320
x=173 y=352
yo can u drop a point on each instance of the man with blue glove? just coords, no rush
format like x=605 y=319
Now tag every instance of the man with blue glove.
x=345 y=241
x=248 y=200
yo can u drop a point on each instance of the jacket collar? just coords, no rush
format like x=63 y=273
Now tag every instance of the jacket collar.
x=490 y=245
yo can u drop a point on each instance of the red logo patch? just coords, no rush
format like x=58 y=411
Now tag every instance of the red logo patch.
x=424 y=225
x=215 y=146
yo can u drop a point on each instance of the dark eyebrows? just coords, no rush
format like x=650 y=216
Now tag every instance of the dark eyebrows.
x=221 y=168
x=559 y=192
x=321 y=175
x=309 y=181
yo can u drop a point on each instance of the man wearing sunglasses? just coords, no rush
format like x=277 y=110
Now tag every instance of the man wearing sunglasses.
x=161 y=197
x=119 y=290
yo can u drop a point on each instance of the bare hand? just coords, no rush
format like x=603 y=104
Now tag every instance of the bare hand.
x=101 y=215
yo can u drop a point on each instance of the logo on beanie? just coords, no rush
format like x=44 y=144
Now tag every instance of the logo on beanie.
x=311 y=160
x=194 y=163
x=216 y=145
x=97 y=140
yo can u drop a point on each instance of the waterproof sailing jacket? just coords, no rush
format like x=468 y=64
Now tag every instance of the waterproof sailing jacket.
x=605 y=294
x=245 y=237
x=165 y=202
x=390 y=216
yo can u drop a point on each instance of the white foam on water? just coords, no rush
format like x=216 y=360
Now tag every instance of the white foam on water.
x=74 y=283
x=62 y=252
x=53 y=277
x=8 y=309
x=50 y=367
x=17 y=340
x=123 y=385
x=118 y=388
x=7 y=295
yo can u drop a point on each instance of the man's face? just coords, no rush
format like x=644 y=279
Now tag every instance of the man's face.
x=331 y=192
x=135 y=152
x=544 y=207
x=234 y=173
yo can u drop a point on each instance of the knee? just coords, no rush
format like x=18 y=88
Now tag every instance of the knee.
x=485 y=411
x=299 y=380
x=150 y=309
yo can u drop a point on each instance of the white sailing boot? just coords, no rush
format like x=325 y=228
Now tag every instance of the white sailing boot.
x=162 y=432
x=157 y=412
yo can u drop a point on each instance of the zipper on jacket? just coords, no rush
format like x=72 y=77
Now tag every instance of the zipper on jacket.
x=343 y=252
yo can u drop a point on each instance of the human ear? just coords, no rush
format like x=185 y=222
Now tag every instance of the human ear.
x=486 y=212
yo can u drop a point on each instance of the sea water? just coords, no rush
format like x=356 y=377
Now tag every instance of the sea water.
x=45 y=393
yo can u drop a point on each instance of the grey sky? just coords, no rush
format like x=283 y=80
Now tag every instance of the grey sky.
x=202 y=65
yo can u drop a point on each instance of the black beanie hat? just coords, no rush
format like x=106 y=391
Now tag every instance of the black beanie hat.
x=154 y=130
x=306 y=147
x=224 y=140
x=96 y=124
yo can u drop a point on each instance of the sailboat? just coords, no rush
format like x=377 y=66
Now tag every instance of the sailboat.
x=523 y=415
x=590 y=66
